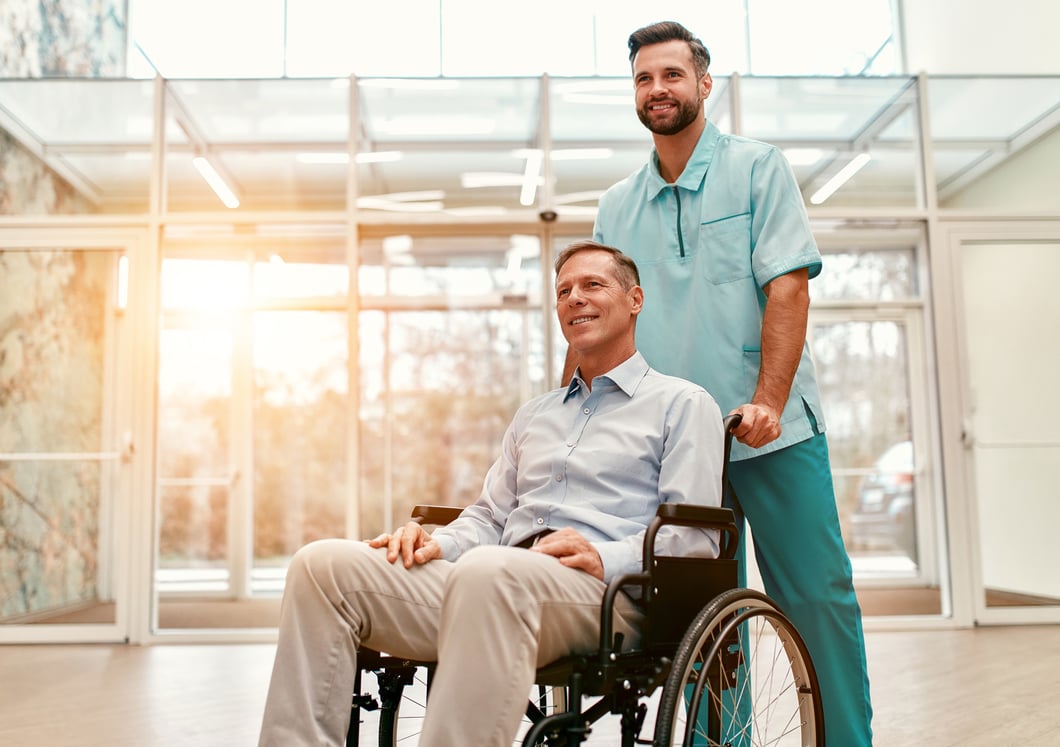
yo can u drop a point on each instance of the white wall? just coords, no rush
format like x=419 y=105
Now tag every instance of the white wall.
x=1027 y=182
x=1014 y=37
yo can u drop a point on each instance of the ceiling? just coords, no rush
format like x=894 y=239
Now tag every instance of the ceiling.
x=465 y=148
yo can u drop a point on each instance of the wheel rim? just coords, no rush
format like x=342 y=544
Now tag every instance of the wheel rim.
x=751 y=670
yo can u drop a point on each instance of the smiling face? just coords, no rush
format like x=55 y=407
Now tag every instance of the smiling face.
x=669 y=96
x=598 y=316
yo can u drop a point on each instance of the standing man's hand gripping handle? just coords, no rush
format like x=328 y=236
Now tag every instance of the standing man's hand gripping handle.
x=412 y=542
x=783 y=337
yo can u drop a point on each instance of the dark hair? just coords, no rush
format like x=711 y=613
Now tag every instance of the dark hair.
x=665 y=31
x=625 y=268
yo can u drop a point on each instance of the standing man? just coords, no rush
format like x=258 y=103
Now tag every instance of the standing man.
x=717 y=225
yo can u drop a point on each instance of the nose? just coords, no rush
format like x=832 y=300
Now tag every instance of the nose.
x=574 y=298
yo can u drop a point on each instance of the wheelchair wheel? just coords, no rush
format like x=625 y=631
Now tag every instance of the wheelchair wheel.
x=402 y=705
x=742 y=677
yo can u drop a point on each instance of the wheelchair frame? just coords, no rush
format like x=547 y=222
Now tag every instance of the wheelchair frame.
x=700 y=643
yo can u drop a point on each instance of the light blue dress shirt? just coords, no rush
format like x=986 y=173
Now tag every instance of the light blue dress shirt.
x=705 y=247
x=601 y=462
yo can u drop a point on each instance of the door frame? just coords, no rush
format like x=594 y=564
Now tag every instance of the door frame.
x=130 y=388
x=962 y=517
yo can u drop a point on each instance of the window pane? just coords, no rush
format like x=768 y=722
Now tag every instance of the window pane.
x=801 y=39
x=440 y=387
x=337 y=37
x=516 y=38
x=57 y=337
x=299 y=431
x=863 y=373
x=198 y=38
x=870 y=275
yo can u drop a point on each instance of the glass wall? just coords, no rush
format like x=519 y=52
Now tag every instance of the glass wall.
x=351 y=336
x=59 y=454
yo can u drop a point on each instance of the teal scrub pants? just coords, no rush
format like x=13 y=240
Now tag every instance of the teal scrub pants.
x=788 y=499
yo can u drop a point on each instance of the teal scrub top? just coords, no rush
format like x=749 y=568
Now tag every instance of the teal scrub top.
x=705 y=247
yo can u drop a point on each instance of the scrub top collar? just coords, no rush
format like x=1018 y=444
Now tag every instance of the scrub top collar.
x=696 y=168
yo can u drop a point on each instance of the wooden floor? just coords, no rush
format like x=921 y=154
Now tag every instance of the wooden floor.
x=987 y=686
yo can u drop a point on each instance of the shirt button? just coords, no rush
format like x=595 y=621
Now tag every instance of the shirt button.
x=586 y=410
x=540 y=521
x=559 y=478
x=570 y=443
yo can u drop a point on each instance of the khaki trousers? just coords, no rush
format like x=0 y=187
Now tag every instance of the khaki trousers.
x=488 y=620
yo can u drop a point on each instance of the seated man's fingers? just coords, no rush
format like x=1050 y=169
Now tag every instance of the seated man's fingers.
x=413 y=536
x=393 y=545
x=381 y=541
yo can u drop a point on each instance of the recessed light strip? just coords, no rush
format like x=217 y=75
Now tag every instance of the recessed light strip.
x=840 y=178
x=217 y=184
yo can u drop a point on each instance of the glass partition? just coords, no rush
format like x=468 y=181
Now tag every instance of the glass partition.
x=257 y=144
x=76 y=146
x=59 y=459
x=979 y=123
x=851 y=141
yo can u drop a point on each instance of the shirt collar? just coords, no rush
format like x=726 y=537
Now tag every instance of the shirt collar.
x=627 y=376
x=695 y=169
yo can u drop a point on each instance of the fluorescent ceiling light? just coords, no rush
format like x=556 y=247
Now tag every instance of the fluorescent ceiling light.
x=217 y=184
x=426 y=201
x=479 y=179
x=840 y=178
x=531 y=177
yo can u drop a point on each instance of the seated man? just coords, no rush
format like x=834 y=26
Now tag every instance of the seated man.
x=517 y=580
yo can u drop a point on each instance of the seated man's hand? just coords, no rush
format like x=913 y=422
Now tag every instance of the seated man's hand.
x=412 y=542
x=573 y=551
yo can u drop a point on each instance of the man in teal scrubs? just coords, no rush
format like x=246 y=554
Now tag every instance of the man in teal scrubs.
x=717 y=225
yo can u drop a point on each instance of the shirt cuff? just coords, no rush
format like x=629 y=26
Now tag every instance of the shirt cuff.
x=447 y=543
x=617 y=558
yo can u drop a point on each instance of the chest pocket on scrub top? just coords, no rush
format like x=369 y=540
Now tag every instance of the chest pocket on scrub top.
x=724 y=251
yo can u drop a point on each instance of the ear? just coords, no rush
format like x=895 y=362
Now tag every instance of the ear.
x=706 y=84
x=636 y=294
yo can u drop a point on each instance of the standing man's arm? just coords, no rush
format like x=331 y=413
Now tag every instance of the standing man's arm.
x=783 y=338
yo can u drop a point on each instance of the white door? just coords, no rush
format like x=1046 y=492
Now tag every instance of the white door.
x=1008 y=316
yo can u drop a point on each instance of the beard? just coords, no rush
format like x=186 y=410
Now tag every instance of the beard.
x=686 y=113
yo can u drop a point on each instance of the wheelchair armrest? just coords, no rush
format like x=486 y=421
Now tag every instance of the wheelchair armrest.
x=698 y=517
x=713 y=517
x=435 y=515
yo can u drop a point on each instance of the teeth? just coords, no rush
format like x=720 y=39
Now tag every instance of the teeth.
x=581 y=319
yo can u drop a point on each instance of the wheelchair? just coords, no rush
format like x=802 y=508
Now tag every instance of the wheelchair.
x=716 y=665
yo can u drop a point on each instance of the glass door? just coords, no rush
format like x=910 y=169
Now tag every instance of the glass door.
x=252 y=425
x=67 y=454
